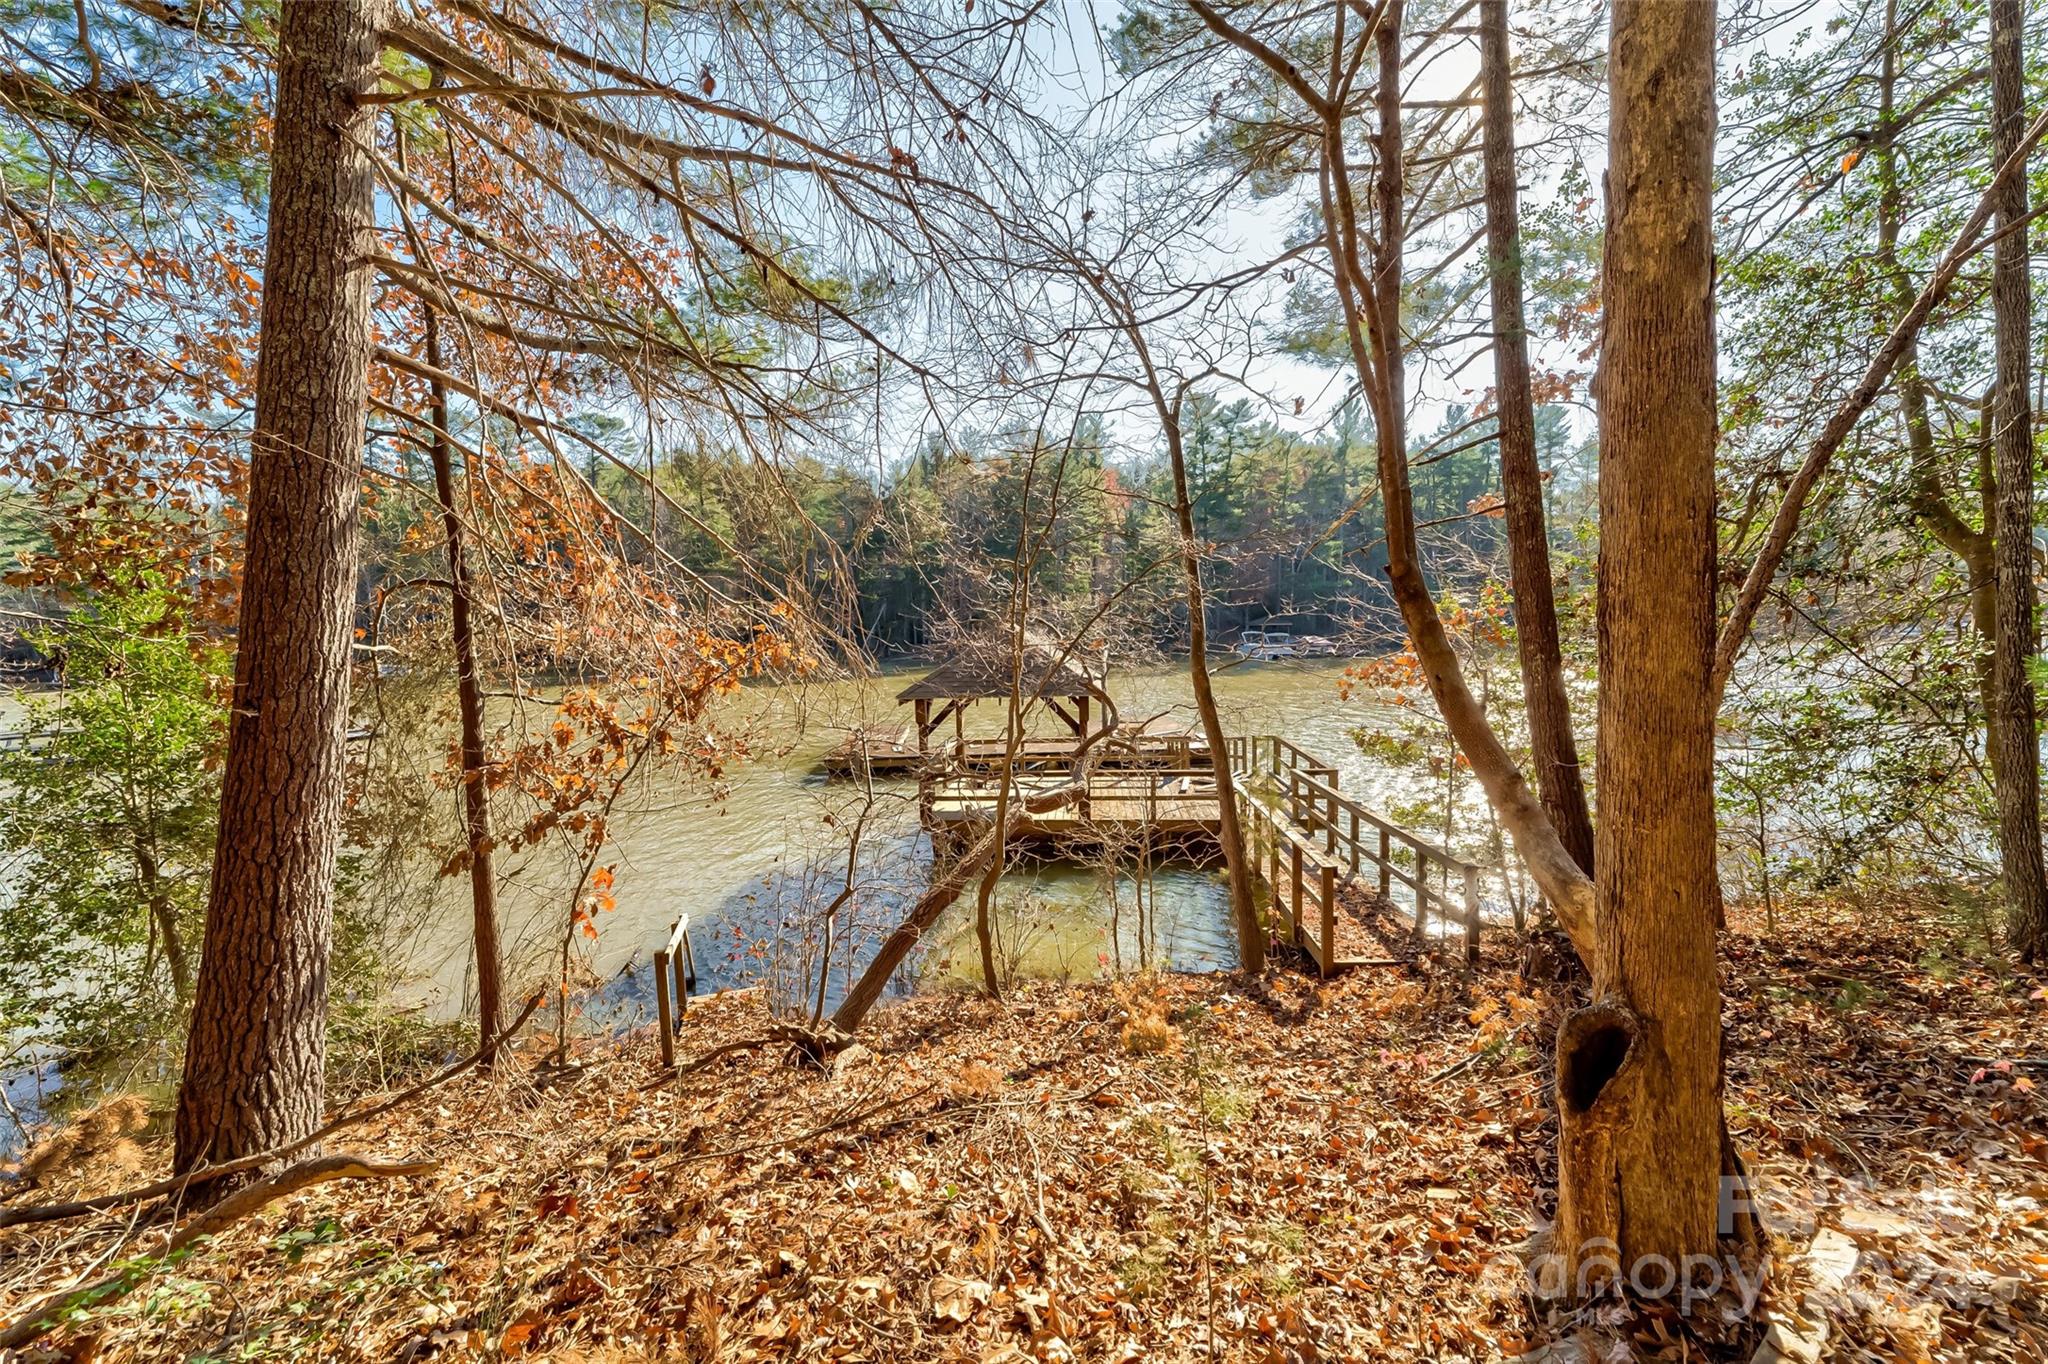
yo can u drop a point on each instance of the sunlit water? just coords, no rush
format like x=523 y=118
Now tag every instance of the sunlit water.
x=754 y=858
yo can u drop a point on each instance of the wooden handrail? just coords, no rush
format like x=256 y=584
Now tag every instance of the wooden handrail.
x=1315 y=837
x=673 y=977
x=1139 y=782
x=1307 y=793
x=1309 y=882
x=1386 y=826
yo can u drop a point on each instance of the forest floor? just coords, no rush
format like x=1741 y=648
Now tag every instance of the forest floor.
x=1170 y=1168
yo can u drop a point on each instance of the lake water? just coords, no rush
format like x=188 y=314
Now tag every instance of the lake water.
x=755 y=859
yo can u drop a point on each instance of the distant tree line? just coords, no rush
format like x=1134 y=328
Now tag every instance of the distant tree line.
x=1297 y=534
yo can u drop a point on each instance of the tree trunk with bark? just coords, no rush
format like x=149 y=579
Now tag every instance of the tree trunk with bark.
x=156 y=893
x=1378 y=353
x=2014 y=731
x=476 y=796
x=896 y=948
x=1370 y=299
x=255 y=1058
x=1553 y=751
x=1929 y=499
x=1639 y=1073
x=951 y=881
x=1244 y=912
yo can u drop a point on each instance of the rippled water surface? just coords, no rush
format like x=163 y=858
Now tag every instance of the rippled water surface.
x=754 y=860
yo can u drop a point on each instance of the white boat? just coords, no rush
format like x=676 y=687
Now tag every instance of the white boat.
x=1266 y=644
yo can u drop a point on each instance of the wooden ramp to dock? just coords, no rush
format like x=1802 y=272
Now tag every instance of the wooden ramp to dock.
x=1333 y=865
x=1333 y=868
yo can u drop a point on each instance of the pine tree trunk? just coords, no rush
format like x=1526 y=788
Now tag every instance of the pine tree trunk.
x=476 y=797
x=2014 y=730
x=1639 y=1073
x=1553 y=751
x=255 y=1059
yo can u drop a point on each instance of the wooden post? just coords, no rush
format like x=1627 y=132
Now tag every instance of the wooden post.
x=922 y=708
x=1330 y=825
x=1471 y=916
x=675 y=968
x=1326 y=891
x=1354 y=840
x=665 y=1020
x=1421 y=897
x=1294 y=889
x=1272 y=875
x=1386 y=865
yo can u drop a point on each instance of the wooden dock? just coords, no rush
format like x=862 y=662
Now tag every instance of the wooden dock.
x=895 y=752
x=1331 y=866
x=1116 y=806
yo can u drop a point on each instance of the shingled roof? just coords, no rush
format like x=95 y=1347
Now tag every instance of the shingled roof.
x=980 y=673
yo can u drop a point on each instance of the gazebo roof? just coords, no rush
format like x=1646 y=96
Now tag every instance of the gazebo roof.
x=977 y=674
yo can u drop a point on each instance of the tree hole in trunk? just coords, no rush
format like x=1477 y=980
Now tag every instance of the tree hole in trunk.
x=1594 y=1056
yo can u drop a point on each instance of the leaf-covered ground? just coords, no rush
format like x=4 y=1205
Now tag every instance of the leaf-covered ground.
x=1175 y=1168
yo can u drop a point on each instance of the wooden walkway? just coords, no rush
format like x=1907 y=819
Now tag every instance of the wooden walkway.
x=1335 y=872
x=1318 y=850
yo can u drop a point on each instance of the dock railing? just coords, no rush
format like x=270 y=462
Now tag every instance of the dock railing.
x=1369 y=847
x=1173 y=789
x=1304 y=881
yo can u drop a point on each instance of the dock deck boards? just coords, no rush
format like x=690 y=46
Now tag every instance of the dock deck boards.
x=1316 y=851
x=896 y=751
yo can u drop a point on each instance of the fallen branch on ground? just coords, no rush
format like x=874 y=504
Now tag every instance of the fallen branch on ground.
x=176 y=1185
x=41 y=1320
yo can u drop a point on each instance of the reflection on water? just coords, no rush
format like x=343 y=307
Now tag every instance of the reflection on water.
x=755 y=862
x=1063 y=922
x=756 y=859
